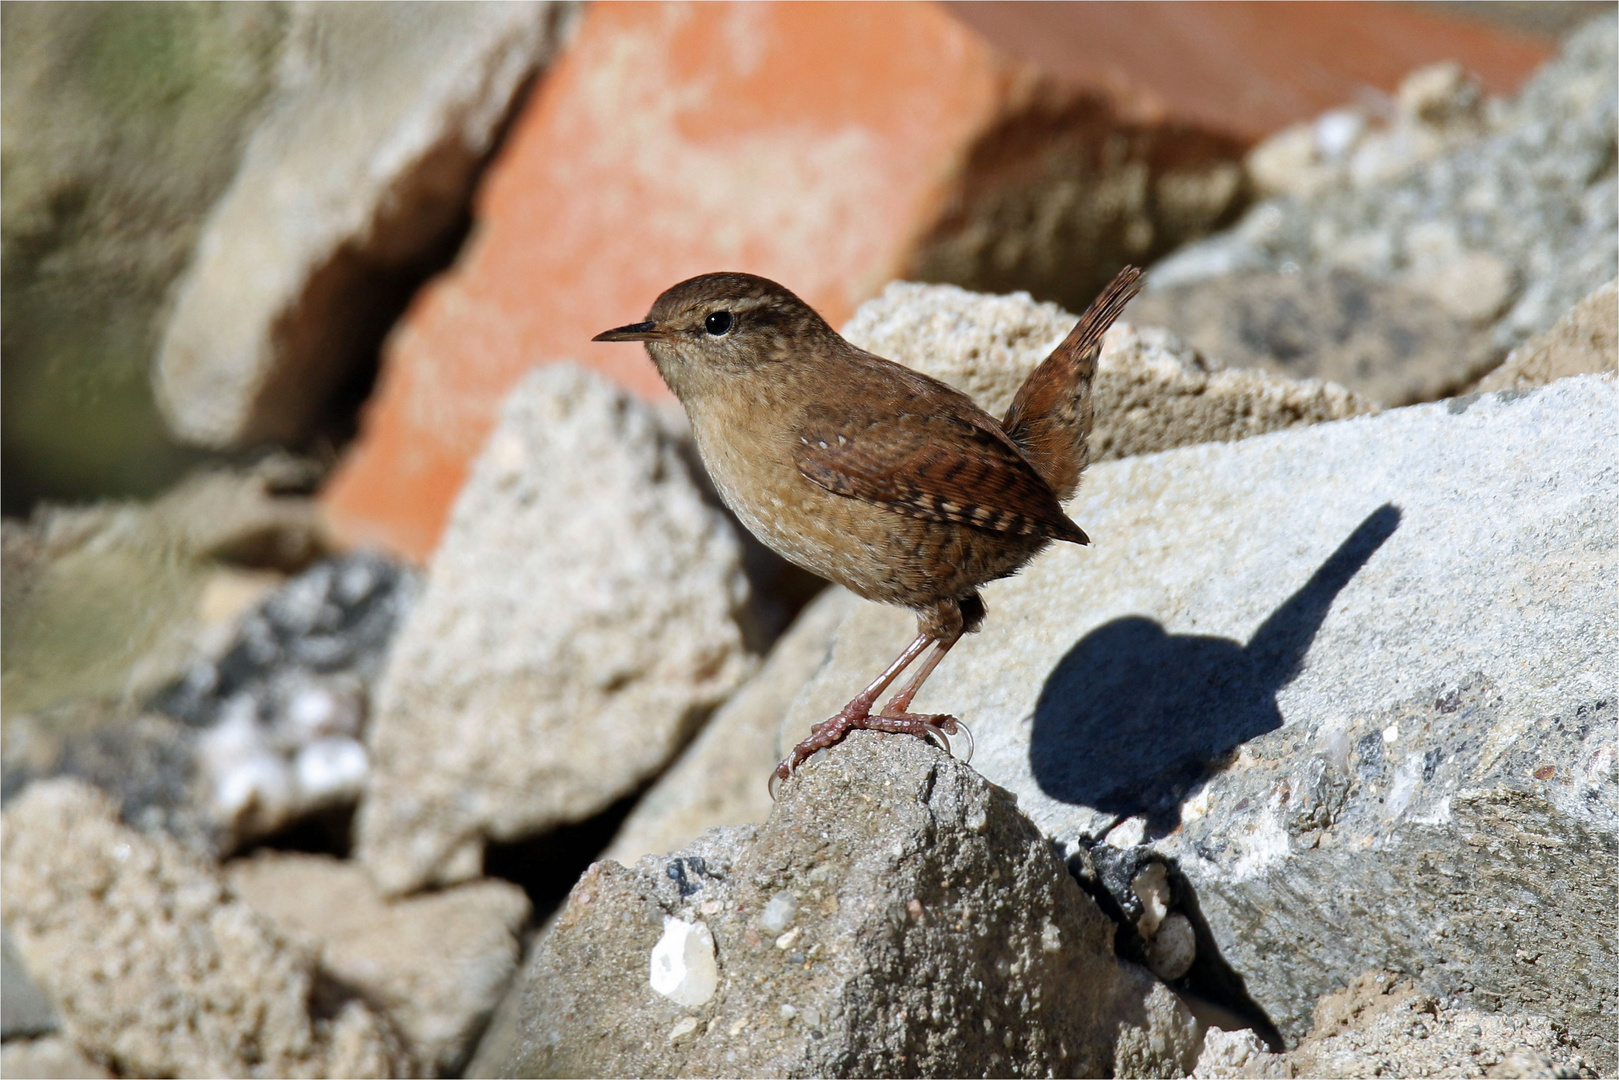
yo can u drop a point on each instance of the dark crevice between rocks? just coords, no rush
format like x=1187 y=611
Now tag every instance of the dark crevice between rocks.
x=547 y=866
x=1217 y=995
x=329 y=831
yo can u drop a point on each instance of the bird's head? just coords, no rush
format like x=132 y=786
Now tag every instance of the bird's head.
x=715 y=326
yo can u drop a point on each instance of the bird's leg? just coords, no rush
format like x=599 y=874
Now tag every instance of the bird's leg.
x=942 y=625
x=896 y=717
x=854 y=715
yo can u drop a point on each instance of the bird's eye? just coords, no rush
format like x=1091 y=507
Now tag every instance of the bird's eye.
x=718 y=323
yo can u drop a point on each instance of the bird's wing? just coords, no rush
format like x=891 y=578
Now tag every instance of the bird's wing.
x=936 y=466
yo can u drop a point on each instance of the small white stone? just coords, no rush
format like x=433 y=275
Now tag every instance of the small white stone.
x=1050 y=938
x=787 y=1012
x=786 y=940
x=779 y=912
x=682 y=964
x=1171 y=952
x=331 y=769
x=1391 y=734
x=682 y=1029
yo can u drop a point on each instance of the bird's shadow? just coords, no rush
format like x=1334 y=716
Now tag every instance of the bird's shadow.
x=1132 y=716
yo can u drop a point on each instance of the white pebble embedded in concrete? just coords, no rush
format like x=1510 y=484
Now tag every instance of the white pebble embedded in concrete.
x=683 y=967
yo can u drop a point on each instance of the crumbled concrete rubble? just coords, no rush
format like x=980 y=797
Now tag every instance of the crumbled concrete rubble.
x=105 y=601
x=1436 y=109
x=896 y=915
x=154 y=967
x=279 y=712
x=1501 y=231
x=349 y=190
x=1153 y=391
x=720 y=778
x=437 y=963
x=1335 y=604
x=1381 y=1025
x=49 y=1058
x=108 y=607
x=581 y=616
x=1584 y=341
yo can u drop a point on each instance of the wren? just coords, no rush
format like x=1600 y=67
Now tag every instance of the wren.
x=872 y=475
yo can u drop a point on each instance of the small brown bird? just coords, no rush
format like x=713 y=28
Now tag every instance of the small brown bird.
x=865 y=472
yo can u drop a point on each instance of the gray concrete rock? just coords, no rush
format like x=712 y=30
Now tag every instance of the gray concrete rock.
x=437 y=964
x=49 y=1058
x=1501 y=233
x=1153 y=392
x=896 y=914
x=1380 y=1025
x=24 y=1008
x=156 y=969
x=1584 y=341
x=1388 y=342
x=720 y=778
x=580 y=619
x=1354 y=682
x=349 y=190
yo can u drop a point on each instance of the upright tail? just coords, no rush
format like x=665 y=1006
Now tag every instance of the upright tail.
x=1050 y=419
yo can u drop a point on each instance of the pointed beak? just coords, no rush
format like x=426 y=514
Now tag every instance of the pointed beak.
x=641 y=331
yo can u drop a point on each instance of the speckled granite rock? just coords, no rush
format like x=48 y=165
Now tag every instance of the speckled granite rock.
x=1501 y=233
x=896 y=915
x=1353 y=681
x=581 y=616
x=154 y=967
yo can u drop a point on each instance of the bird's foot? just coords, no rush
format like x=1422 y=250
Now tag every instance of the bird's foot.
x=936 y=728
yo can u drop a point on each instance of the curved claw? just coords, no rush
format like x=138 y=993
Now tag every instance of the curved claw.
x=938 y=738
x=773 y=785
x=971 y=743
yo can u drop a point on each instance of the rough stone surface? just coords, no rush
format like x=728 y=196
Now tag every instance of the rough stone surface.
x=50 y=1058
x=1228 y=1054
x=121 y=127
x=1503 y=233
x=348 y=191
x=1354 y=682
x=1153 y=392
x=720 y=778
x=579 y=620
x=154 y=967
x=1384 y=341
x=437 y=964
x=1380 y=1025
x=896 y=914
x=1584 y=341
x=277 y=713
